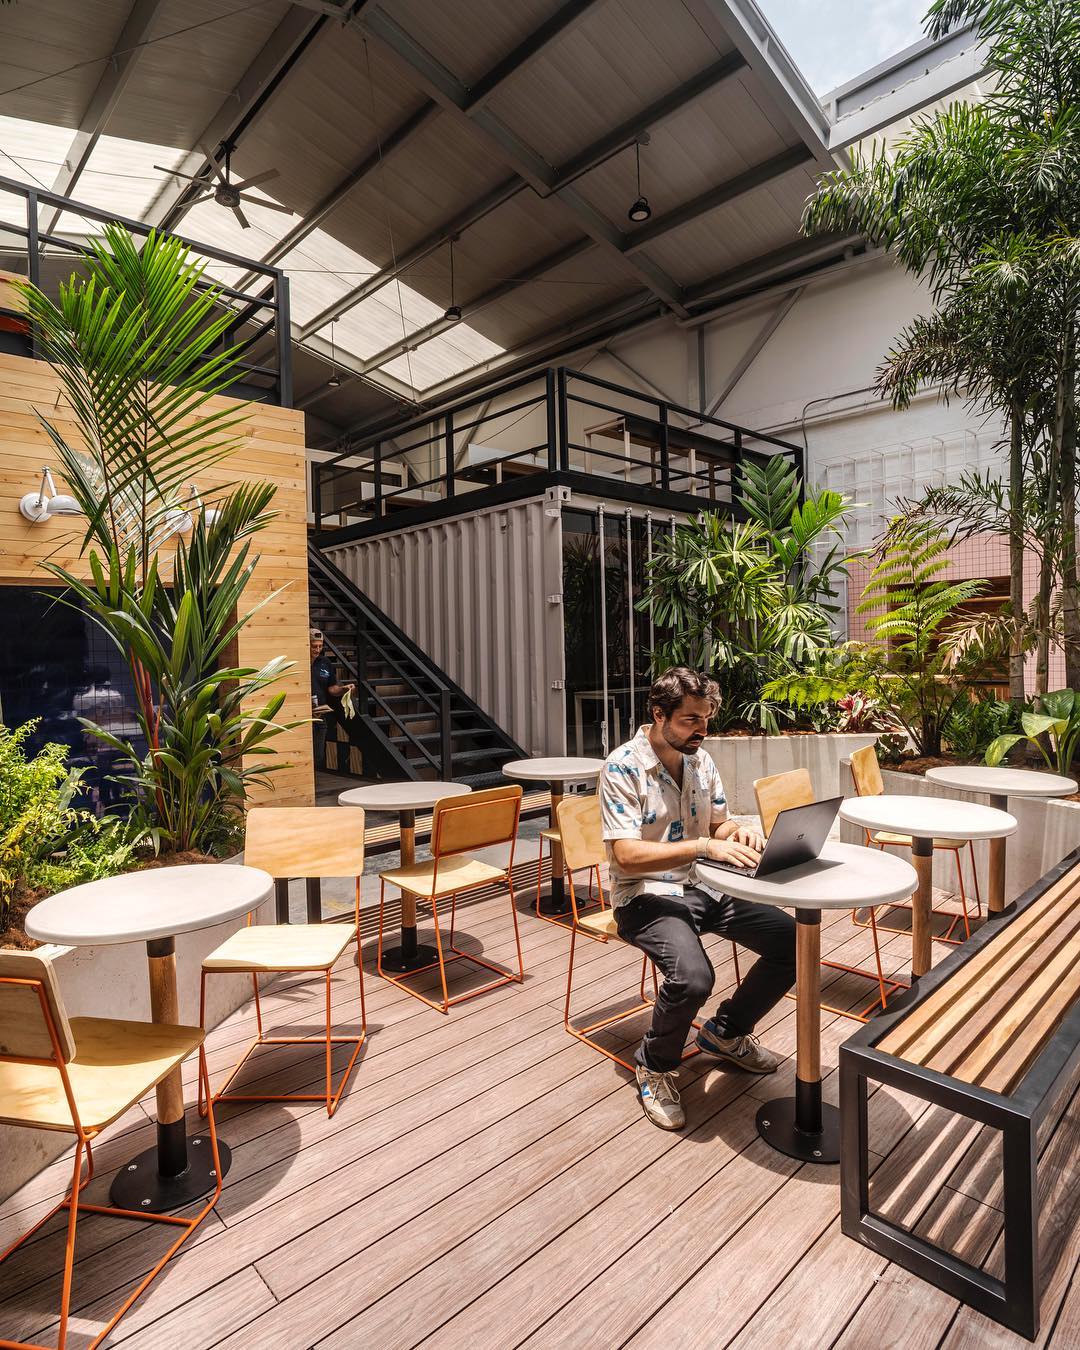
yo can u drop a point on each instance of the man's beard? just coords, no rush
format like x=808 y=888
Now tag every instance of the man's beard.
x=690 y=746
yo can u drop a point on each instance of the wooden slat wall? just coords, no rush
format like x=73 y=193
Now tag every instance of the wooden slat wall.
x=272 y=450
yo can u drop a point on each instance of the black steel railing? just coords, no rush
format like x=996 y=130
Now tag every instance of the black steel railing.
x=260 y=311
x=561 y=426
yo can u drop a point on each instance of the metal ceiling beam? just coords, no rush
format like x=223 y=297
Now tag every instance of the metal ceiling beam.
x=635 y=311
x=804 y=252
x=672 y=220
x=279 y=54
x=120 y=65
x=428 y=245
x=616 y=139
x=504 y=288
x=720 y=195
x=449 y=92
x=530 y=47
x=739 y=23
x=756 y=347
x=516 y=60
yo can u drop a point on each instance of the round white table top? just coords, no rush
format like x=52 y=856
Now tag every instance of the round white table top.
x=844 y=876
x=554 y=770
x=928 y=817
x=1002 y=782
x=408 y=796
x=154 y=903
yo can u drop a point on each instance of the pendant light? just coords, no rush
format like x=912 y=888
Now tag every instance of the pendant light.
x=640 y=209
x=334 y=382
x=452 y=313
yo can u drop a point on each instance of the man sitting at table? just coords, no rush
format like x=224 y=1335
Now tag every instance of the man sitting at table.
x=663 y=809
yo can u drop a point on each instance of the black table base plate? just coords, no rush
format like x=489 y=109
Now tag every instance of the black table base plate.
x=776 y=1125
x=558 y=906
x=139 y=1186
x=395 y=960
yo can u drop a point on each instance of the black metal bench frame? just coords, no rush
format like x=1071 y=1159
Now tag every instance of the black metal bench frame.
x=1014 y=1301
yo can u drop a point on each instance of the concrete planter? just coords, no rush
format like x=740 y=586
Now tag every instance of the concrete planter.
x=1048 y=829
x=111 y=981
x=741 y=759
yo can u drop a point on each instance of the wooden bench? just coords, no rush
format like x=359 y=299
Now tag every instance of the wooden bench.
x=992 y=1034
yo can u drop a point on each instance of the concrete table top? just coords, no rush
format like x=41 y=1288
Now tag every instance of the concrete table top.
x=554 y=770
x=844 y=876
x=999 y=782
x=155 y=903
x=928 y=817
x=408 y=796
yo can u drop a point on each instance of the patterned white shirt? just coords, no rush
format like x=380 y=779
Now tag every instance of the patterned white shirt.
x=639 y=799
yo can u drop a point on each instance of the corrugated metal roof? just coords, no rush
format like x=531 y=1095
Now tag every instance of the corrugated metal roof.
x=334 y=125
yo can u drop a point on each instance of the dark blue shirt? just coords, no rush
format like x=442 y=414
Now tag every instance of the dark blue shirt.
x=322 y=677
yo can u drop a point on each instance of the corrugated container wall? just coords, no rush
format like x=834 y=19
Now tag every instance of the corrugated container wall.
x=475 y=594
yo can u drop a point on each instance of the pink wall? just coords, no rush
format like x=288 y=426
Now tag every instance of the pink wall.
x=985 y=555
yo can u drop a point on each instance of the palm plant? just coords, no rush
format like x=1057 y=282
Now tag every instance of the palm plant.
x=917 y=662
x=745 y=600
x=983 y=203
x=138 y=348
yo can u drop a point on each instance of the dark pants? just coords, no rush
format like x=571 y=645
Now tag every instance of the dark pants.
x=667 y=930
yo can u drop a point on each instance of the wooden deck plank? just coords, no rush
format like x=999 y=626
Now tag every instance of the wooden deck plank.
x=488 y=1179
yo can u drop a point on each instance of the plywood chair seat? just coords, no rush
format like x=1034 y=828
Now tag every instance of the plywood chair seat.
x=292 y=947
x=904 y=840
x=552 y=835
x=602 y=924
x=115 y=1065
x=453 y=874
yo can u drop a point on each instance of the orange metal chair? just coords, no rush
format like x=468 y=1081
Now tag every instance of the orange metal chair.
x=295 y=841
x=77 y=1077
x=866 y=775
x=459 y=825
x=795 y=788
x=583 y=845
x=552 y=837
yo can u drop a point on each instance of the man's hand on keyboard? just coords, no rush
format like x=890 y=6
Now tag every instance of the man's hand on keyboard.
x=732 y=851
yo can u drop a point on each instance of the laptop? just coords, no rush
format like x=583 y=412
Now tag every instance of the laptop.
x=798 y=836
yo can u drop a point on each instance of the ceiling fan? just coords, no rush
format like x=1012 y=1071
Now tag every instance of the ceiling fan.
x=226 y=192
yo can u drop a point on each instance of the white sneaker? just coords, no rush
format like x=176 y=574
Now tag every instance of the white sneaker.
x=660 y=1099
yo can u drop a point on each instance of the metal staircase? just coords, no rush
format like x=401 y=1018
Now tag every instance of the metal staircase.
x=414 y=721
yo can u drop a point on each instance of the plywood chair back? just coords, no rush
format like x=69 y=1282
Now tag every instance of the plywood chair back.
x=29 y=1002
x=866 y=772
x=780 y=791
x=305 y=841
x=579 y=826
x=464 y=824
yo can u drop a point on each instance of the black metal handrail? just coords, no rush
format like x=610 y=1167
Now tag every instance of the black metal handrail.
x=274 y=297
x=332 y=585
x=725 y=444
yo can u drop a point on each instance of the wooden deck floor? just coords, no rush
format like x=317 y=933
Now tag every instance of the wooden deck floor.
x=488 y=1181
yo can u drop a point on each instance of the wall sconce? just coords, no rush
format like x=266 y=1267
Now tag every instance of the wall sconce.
x=36 y=506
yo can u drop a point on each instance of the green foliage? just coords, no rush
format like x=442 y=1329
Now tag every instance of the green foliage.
x=920 y=654
x=134 y=345
x=1056 y=720
x=973 y=724
x=45 y=842
x=745 y=600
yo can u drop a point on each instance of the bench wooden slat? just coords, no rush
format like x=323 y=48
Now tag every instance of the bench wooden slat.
x=920 y=1035
x=1003 y=1056
x=1012 y=991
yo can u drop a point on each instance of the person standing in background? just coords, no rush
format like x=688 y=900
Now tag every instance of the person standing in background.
x=326 y=695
